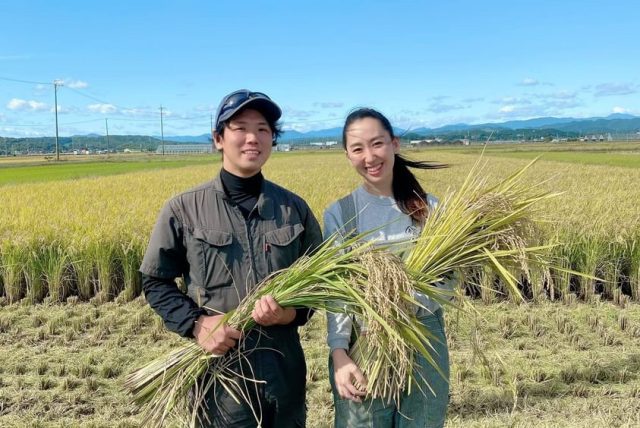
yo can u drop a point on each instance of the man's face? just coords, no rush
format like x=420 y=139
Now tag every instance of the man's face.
x=246 y=143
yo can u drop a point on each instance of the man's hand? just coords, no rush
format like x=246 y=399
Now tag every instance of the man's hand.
x=268 y=312
x=213 y=336
x=349 y=380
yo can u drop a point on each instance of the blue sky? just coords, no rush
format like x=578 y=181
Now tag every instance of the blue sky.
x=423 y=63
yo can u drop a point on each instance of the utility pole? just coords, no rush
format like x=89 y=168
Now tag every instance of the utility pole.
x=106 y=125
x=162 y=130
x=56 y=83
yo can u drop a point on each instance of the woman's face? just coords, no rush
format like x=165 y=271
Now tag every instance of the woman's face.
x=371 y=151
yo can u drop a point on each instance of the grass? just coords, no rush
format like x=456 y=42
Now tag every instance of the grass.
x=33 y=172
x=619 y=154
x=546 y=365
x=627 y=160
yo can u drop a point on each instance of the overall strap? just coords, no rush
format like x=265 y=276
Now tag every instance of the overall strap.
x=348 y=213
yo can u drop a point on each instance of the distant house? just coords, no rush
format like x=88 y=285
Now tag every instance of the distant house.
x=283 y=147
x=461 y=141
x=323 y=144
x=425 y=142
x=184 y=149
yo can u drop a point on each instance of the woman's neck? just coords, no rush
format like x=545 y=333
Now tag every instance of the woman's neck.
x=378 y=190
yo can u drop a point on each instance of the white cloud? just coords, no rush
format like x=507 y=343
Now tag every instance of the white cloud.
x=63 y=110
x=529 y=81
x=297 y=114
x=207 y=108
x=618 y=109
x=512 y=100
x=142 y=112
x=75 y=84
x=442 y=108
x=18 y=104
x=328 y=104
x=514 y=111
x=102 y=108
x=563 y=95
x=610 y=89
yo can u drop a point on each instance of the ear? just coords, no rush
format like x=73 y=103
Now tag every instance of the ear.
x=217 y=140
x=396 y=145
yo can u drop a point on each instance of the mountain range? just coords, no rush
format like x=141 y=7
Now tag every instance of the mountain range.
x=614 y=123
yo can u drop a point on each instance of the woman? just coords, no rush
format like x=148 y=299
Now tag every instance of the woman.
x=391 y=201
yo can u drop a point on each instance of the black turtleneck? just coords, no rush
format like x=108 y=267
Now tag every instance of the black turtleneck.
x=242 y=191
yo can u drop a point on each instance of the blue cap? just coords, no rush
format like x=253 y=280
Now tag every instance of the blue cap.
x=244 y=98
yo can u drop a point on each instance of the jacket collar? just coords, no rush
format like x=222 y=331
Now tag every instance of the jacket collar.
x=265 y=204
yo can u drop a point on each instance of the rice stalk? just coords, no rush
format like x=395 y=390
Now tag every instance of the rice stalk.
x=36 y=288
x=633 y=251
x=130 y=255
x=84 y=269
x=12 y=257
x=55 y=266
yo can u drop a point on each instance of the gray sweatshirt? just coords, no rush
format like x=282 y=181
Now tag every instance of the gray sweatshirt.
x=372 y=212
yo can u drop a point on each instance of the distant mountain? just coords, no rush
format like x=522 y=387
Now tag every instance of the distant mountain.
x=617 y=122
x=601 y=125
x=204 y=138
x=539 y=128
x=289 y=135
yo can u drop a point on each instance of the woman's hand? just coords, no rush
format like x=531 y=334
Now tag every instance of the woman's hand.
x=213 y=337
x=349 y=380
x=268 y=312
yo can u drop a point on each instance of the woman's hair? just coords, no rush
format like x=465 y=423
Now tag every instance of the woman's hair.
x=407 y=191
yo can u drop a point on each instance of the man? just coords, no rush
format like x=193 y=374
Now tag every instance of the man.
x=224 y=237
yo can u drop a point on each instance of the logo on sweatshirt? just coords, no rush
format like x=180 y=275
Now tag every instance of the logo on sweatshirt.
x=412 y=230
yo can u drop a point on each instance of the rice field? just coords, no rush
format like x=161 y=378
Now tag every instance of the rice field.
x=72 y=323
x=86 y=237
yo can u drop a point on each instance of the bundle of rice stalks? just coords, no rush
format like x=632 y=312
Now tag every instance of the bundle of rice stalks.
x=176 y=384
x=475 y=227
x=480 y=226
x=386 y=360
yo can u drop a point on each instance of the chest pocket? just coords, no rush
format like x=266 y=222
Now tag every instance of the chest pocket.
x=214 y=263
x=283 y=246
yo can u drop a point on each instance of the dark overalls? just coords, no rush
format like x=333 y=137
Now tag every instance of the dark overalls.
x=203 y=236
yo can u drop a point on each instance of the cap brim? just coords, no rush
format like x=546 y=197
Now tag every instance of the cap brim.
x=267 y=108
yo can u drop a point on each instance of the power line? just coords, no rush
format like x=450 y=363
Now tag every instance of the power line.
x=91 y=97
x=25 y=81
x=26 y=125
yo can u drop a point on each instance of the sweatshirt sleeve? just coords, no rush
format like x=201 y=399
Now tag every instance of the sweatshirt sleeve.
x=338 y=324
x=177 y=310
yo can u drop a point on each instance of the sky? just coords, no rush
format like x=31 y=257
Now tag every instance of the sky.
x=422 y=63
